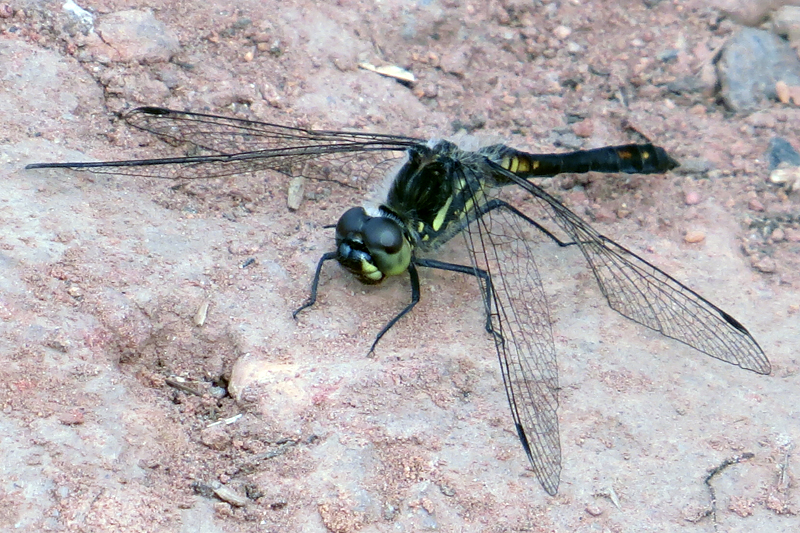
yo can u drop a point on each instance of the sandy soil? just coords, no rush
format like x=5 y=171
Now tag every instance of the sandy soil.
x=102 y=279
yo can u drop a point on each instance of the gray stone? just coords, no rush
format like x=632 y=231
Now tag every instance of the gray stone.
x=750 y=65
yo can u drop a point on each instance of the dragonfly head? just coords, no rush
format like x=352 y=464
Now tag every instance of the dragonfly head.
x=372 y=248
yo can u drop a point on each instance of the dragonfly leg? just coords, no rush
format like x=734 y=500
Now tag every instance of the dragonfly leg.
x=483 y=277
x=312 y=298
x=415 y=293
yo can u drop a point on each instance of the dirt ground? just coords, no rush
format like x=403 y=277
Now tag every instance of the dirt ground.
x=115 y=415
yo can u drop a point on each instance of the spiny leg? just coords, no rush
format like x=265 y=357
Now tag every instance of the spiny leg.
x=483 y=277
x=415 y=293
x=312 y=298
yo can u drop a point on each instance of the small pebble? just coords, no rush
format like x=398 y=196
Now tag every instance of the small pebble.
x=694 y=236
x=755 y=205
x=218 y=392
x=584 y=128
x=75 y=291
x=603 y=214
x=594 y=510
x=562 y=32
x=696 y=166
x=73 y=418
x=692 y=198
x=790 y=177
x=573 y=47
x=762 y=120
x=201 y=314
x=295 y=193
x=226 y=494
x=792 y=235
x=765 y=264
x=783 y=92
x=698 y=110
x=778 y=235
x=215 y=437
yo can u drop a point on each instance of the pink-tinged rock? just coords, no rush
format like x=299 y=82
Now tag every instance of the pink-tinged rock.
x=694 y=237
x=584 y=128
x=692 y=198
x=137 y=36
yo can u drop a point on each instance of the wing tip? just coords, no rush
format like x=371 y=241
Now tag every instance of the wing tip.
x=759 y=364
x=549 y=479
x=151 y=110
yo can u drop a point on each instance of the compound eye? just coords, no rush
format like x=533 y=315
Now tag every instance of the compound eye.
x=352 y=222
x=384 y=235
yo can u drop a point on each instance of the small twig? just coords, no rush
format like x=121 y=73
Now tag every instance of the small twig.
x=715 y=472
x=226 y=421
x=182 y=387
x=783 y=476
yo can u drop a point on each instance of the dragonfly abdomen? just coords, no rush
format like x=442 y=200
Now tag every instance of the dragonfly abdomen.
x=629 y=158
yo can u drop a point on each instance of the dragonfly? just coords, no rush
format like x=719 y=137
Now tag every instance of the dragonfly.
x=437 y=191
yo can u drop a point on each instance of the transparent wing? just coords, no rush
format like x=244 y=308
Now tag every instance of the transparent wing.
x=223 y=146
x=227 y=135
x=519 y=319
x=520 y=323
x=645 y=294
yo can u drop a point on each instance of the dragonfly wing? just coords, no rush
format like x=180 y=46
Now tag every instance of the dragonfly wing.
x=647 y=295
x=522 y=330
x=224 y=146
x=228 y=135
x=350 y=166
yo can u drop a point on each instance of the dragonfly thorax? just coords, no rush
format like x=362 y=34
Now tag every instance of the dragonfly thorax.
x=371 y=248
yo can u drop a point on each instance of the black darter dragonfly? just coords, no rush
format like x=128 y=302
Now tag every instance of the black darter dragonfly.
x=438 y=191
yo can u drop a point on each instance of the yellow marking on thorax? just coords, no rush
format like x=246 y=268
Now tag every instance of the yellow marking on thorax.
x=440 y=216
x=477 y=196
x=468 y=206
